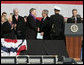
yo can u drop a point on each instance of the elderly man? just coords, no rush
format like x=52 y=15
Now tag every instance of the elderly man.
x=32 y=25
x=45 y=25
x=57 y=25
x=18 y=21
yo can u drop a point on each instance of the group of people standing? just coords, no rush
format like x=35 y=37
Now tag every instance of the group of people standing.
x=51 y=28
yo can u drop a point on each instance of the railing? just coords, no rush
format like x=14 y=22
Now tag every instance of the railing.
x=30 y=59
x=36 y=59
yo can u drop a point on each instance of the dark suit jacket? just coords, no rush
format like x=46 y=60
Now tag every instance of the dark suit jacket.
x=59 y=22
x=20 y=23
x=45 y=27
x=32 y=26
x=72 y=19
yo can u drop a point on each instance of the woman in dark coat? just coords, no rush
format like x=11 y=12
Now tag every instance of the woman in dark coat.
x=3 y=20
x=8 y=29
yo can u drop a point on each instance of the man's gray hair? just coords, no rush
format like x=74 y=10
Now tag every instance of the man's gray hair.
x=15 y=9
x=32 y=9
x=46 y=11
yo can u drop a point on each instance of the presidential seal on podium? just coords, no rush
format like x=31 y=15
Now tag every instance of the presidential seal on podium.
x=74 y=28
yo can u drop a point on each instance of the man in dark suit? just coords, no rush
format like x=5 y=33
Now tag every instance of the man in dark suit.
x=57 y=25
x=45 y=25
x=75 y=18
x=32 y=25
x=18 y=22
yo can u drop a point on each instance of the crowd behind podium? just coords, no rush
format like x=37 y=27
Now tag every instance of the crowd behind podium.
x=14 y=26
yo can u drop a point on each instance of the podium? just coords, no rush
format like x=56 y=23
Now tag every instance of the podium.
x=74 y=33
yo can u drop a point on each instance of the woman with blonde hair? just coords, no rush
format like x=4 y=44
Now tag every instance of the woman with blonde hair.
x=3 y=20
x=8 y=28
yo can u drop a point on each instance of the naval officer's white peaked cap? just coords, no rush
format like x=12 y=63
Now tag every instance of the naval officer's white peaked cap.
x=58 y=8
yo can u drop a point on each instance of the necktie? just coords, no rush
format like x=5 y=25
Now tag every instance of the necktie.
x=16 y=18
x=43 y=19
x=75 y=19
